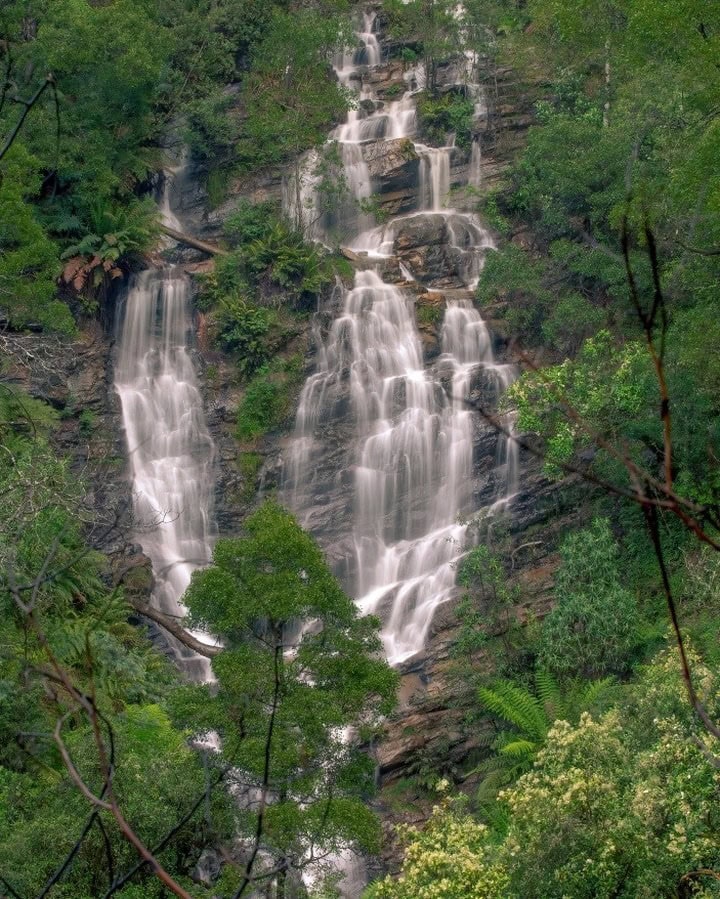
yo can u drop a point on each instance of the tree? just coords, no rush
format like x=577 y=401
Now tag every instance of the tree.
x=299 y=667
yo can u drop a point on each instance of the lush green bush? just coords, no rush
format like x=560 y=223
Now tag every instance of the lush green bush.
x=243 y=330
x=267 y=398
x=621 y=805
x=512 y=276
x=450 y=858
x=593 y=627
x=271 y=264
x=283 y=263
x=250 y=222
x=440 y=116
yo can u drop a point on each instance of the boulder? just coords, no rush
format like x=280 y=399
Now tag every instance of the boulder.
x=393 y=164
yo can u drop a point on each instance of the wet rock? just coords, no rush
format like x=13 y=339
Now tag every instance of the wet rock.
x=393 y=164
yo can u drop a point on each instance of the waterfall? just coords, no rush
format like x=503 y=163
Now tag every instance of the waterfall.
x=434 y=188
x=409 y=468
x=170 y=451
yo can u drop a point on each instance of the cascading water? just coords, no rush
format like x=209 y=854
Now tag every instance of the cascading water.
x=410 y=466
x=171 y=453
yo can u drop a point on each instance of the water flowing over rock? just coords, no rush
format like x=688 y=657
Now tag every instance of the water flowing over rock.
x=381 y=464
x=171 y=453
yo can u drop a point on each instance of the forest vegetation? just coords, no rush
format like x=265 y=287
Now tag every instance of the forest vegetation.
x=598 y=726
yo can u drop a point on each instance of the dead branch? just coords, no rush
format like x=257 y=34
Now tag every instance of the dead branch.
x=28 y=105
x=193 y=241
x=173 y=626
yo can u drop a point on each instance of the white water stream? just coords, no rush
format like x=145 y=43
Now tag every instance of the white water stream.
x=171 y=453
x=410 y=467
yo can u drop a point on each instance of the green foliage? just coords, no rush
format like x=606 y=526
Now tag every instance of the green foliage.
x=289 y=265
x=298 y=666
x=29 y=260
x=618 y=805
x=290 y=102
x=513 y=276
x=608 y=385
x=429 y=314
x=593 y=628
x=526 y=719
x=243 y=329
x=641 y=788
x=572 y=320
x=614 y=390
x=158 y=778
x=78 y=630
x=91 y=150
x=450 y=858
x=250 y=222
x=271 y=264
x=493 y=215
x=536 y=313
x=448 y=113
x=249 y=464
x=485 y=608
x=267 y=398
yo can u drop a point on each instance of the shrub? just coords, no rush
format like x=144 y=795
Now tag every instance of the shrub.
x=249 y=222
x=438 y=116
x=283 y=261
x=572 y=320
x=593 y=628
x=243 y=329
x=267 y=398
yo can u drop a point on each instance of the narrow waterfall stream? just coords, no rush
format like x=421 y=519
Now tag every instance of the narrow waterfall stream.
x=409 y=469
x=170 y=451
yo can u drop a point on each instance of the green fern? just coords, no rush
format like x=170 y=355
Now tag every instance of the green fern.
x=528 y=716
x=517 y=706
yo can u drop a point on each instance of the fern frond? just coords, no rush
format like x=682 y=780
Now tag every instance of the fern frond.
x=519 y=749
x=550 y=695
x=594 y=691
x=516 y=706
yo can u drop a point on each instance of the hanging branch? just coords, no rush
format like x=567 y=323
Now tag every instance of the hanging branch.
x=49 y=82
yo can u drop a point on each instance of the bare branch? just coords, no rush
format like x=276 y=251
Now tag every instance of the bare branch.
x=173 y=626
x=28 y=105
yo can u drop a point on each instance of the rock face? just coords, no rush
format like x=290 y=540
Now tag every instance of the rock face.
x=392 y=162
x=422 y=243
x=393 y=166
x=75 y=378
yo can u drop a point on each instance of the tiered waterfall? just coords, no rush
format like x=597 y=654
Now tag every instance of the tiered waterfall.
x=408 y=469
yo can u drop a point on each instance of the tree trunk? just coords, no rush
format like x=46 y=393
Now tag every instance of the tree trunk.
x=606 y=107
x=193 y=242
x=298 y=197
